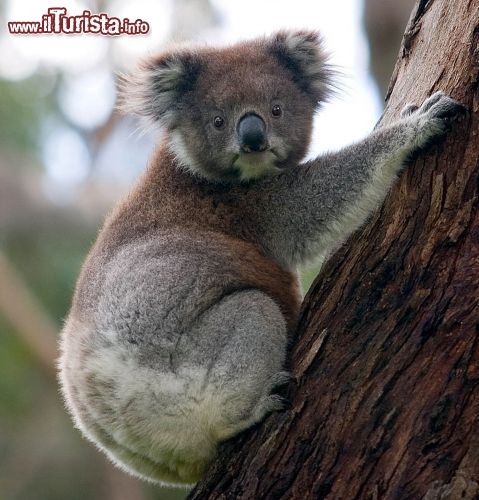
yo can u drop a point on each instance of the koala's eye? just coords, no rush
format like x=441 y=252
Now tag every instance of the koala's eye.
x=276 y=110
x=218 y=122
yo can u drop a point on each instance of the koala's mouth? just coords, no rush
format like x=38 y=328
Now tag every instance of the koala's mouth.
x=255 y=165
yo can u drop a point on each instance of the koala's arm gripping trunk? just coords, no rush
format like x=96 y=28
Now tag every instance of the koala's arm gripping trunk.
x=328 y=198
x=310 y=210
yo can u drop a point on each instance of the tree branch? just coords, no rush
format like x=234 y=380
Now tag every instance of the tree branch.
x=32 y=324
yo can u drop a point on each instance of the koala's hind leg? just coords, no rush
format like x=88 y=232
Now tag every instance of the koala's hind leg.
x=241 y=343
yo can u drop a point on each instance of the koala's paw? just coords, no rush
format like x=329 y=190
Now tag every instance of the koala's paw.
x=432 y=120
x=281 y=379
x=275 y=402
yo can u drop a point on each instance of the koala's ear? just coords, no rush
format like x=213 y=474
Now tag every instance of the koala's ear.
x=156 y=89
x=302 y=53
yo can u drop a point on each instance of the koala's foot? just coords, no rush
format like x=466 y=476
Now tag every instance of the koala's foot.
x=272 y=401
x=432 y=119
x=266 y=405
x=281 y=379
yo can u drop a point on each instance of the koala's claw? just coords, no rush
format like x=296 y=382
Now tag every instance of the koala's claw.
x=439 y=105
x=408 y=110
x=432 y=118
x=278 y=403
x=281 y=379
x=435 y=98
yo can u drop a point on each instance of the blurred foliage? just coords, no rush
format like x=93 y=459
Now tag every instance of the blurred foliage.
x=16 y=364
x=308 y=275
x=25 y=103
x=50 y=260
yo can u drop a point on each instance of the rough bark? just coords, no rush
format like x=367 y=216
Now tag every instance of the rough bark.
x=386 y=357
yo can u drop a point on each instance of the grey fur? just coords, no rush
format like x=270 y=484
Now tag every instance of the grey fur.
x=178 y=329
x=323 y=201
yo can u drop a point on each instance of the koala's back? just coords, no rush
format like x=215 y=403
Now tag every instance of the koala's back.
x=154 y=288
x=167 y=318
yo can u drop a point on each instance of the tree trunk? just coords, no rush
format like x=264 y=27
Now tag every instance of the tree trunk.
x=386 y=404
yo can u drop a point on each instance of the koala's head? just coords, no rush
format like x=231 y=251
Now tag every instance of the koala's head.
x=235 y=113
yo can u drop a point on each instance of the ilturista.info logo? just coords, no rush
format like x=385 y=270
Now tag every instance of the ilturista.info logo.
x=57 y=22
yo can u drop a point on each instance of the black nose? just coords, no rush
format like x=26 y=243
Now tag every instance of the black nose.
x=252 y=133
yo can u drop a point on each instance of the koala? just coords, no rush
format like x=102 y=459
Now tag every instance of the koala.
x=180 y=321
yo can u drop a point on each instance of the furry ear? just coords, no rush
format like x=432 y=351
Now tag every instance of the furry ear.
x=156 y=89
x=302 y=53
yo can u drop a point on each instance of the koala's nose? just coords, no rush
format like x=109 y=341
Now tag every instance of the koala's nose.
x=252 y=133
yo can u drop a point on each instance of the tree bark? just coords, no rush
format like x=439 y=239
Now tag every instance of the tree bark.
x=386 y=404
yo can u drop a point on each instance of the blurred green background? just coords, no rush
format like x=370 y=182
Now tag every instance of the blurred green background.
x=66 y=156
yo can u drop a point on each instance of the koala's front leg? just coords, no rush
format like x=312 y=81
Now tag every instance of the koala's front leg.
x=312 y=209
